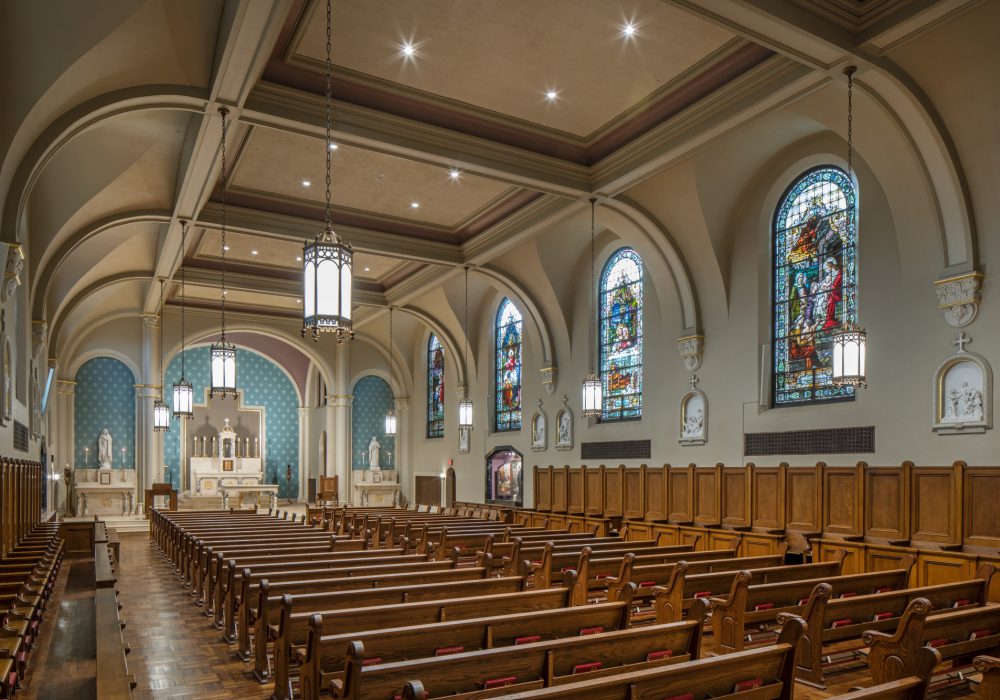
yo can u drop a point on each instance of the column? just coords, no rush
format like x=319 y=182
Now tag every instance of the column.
x=342 y=401
x=330 y=418
x=65 y=447
x=148 y=442
x=303 y=454
x=402 y=444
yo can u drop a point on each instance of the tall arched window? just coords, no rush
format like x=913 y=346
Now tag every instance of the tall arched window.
x=815 y=271
x=508 y=368
x=621 y=336
x=435 y=388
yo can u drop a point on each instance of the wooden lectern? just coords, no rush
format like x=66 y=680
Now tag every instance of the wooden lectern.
x=160 y=490
x=328 y=489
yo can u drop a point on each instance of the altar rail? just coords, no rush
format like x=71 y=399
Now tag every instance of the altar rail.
x=944 y=516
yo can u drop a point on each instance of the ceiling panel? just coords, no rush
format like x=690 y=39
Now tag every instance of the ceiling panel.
x=277 y=163
x=503 y=56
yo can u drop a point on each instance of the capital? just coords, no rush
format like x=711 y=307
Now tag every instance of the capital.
x=959 y=298
x=150 y=320
x=690 y=348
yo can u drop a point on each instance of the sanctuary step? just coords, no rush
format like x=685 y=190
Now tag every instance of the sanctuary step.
x=126 y=523
x=186 y=501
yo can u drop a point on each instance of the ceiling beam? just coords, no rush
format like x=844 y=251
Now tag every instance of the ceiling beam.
x=247 y=282
x=247 y=35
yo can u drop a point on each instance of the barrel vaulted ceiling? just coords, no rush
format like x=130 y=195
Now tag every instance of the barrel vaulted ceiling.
x=460 y=128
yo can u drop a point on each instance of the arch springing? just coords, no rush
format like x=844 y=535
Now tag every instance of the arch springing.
x=509 y=327
x=620 y=317
x=815 y=284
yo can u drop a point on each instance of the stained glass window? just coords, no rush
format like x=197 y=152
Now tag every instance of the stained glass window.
x=435 y=388
x=508 y=368
x=621 y=336
x=815 y=269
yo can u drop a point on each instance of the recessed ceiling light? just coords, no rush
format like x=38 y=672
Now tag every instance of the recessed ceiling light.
x=415 y=205
x=629 y=30
x=253 y=252
x=408 y=49
x=306 y=183
x=333 y=147
x=454 y=174
x=368 y=269
x=298 y=301
x=224 y=292
x=551 y=95
x=225 y=248
x=298 y=258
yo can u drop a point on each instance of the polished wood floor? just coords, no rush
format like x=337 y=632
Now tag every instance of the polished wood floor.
x=176 y=653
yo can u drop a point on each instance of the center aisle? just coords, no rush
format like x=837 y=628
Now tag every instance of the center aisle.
x=176 y=653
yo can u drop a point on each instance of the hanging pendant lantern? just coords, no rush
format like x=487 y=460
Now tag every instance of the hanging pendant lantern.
x=390 y=417
x=161 y=414
x=223 y=354
x=327 y=272
x=593 y=392
x=849 y=357
x=465 y=405
x=183 y=391
x=849 y=341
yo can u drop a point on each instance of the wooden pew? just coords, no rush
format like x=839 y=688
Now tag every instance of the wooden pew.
x=114 y=682
x=528 y=666
x=292 y=631
x=554 y=560
x=324 y=661
x=761 y=604
x=954 y=635
x=260 y=604
x=765 y=672
x=989 y=667
x=671 y=599
x=853 y=616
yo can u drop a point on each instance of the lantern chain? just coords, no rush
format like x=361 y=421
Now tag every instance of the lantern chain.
x=329 y=110
x=225 y=129
x=849 y=71
x=184 y=228
x=593 y=288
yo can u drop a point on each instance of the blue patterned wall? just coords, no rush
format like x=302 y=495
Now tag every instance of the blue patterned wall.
x=261 y=383
x=372 y=400
x=105 y=398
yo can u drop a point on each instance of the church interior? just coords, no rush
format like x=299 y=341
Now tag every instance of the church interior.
x=534 y=349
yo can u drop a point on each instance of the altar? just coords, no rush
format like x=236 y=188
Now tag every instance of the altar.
x=104 y=492
x=226 y=461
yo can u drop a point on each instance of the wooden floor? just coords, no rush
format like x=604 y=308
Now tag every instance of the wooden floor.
x=176 y=653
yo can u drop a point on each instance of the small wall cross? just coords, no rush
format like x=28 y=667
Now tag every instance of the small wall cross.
x=961 y=341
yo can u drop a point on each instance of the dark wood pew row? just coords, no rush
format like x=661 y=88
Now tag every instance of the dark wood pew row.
x=989 y=669
x=324 y=661
x=259 y=605
x=283 y=621
x=525 y=666
x=225 y=576
x=956 y=635
x=591 y=579
x=832 y=620
x=543 y=565
x=673 y=598
x=507 y=554
x=761 y=604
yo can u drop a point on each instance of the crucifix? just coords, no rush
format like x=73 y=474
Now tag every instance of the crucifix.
x=961 y=341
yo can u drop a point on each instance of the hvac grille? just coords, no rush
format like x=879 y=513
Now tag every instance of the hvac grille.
x=827 y=441
x=20 y=436
x=616 y=449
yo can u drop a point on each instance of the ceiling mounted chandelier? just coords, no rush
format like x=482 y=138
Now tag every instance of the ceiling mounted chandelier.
x=223 y=354
x=327 y=261
x=183 y=391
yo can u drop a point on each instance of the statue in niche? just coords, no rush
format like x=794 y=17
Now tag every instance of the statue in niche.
x=104 y=454
x=694 y=424
x=964 y=405
x=373 y=453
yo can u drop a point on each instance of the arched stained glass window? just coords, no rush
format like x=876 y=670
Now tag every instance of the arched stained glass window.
x=508 y=368
x=621 y=336
x=815 y=271
x=435 y=388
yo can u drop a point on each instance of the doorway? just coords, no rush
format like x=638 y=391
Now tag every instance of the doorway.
x=450 y=488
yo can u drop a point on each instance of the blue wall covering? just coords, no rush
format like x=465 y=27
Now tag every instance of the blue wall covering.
x=105 y=398
x=372 y=400
x=261 y=382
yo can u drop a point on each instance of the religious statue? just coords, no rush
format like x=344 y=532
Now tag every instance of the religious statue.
x=373 y=453
x=104 y=450
x=965 y=405
x=694 y=424
x=564 y=428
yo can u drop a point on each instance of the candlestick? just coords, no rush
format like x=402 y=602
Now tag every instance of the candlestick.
x=123 y=458
x=86 y=457
x=213 y=446
x=256 y=448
